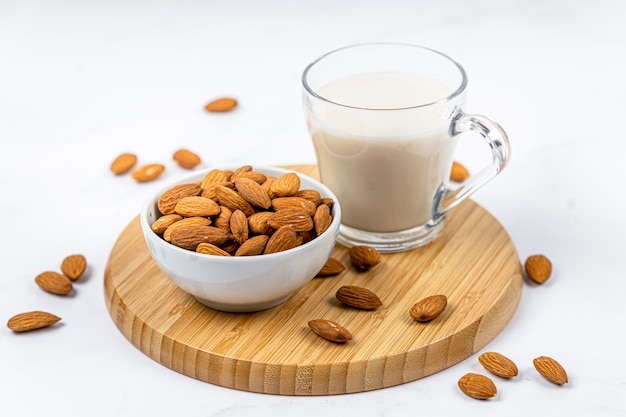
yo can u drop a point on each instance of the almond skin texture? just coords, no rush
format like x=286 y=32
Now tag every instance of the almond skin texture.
x=253 y=246
x=161 y=224
x=167 y=201
x=498 y=364
x=330 y=330
x=458 y=173
x=286 y=185
x=428 y=308
x=186 y=159
x=123 y=163
x=295 y=218
x=54 y=282
x=239 y=226
x=196 y=207
x=189 y=221
x=551 y=370
x=148 y=172
x=538 y=268
x=32 y=320
x=332 y=267
x=364 y=257
x=233 y=200
x=210 y=249
x=477 y=386
x=73 y=266
x=284 y=238
x=358 y=297
x=189 y=237
x=322 y=219
x=253 y=193
x=221 y=105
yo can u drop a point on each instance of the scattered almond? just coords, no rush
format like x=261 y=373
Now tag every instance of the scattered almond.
x=498 y=364
x=148 y=172
x=428 y=308
x=222 y=104
x=477 y=386
x=32 y=320
x=538 y=268
x=333 y=266
x=364 y=257
x=330 y=330
x=186 y=159
x=358 y=297
x=54 y=282
x=73 y=266
x=458 y=173
x=123 y=163
x=551 y=370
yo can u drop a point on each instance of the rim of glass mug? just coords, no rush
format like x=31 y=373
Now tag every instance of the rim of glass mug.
x=455 y=93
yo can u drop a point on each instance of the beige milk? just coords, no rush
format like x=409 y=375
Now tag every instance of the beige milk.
x=384 y=165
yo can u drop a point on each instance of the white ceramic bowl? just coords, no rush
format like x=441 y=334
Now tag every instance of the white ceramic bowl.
x=241 y=283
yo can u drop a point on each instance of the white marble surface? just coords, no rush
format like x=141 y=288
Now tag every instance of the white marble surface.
x=81 y=82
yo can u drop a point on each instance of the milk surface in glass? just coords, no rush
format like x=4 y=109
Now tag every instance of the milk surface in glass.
x=383 y=147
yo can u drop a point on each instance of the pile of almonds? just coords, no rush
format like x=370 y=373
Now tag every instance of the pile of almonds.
x=72 y=268
x=242 y=213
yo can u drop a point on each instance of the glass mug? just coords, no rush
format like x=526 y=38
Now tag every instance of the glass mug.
x=384 y=119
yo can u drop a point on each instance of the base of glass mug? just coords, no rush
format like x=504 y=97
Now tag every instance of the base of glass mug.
x=393 y=241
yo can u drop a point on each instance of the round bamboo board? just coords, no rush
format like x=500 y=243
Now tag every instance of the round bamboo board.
x=473 y=262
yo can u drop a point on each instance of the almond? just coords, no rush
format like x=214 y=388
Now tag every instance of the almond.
x=364 y=257
x=31 y=320
x=258 y=223
x=196 y=207
x=211 y=249
x=551 y=370
x=330 y=330
x=73 y=266
x=54 y=282
x=239 y=226
x=538 y=268
x=322 y=219
x=123 y=163
x=233 y=200
x=267 y=185
x=428 y=308
x=161 y=224
x=189 y=237
x=297 y=219
x=222 y=104
x=167 y=202
x=458 y=173
x=222 y=220
x=307 y=206
x=239 y=171
x=286 y=185
x=358 y=297
x=283 y=239
x=253 y=246
x=189 y=221
x=148 y=172
x=186 y=159
x=498 y=364
x=477 y=386
x=215 y=176
x=333 y=266
x=210 y=190
x=311 y=195
x=253 y=193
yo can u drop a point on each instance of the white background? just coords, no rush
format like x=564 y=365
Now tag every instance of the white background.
x=82 y=81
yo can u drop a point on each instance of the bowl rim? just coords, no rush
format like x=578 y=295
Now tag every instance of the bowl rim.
x=146 y=226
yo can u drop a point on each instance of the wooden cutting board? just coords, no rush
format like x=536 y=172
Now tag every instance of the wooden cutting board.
x=473 y=262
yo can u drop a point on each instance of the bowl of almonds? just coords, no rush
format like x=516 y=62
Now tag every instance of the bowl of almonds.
x=241 y=239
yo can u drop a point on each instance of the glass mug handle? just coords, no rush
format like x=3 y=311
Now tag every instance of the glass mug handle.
x=498 y=141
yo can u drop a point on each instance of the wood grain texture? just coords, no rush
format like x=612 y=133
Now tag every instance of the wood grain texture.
x=473 y=262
